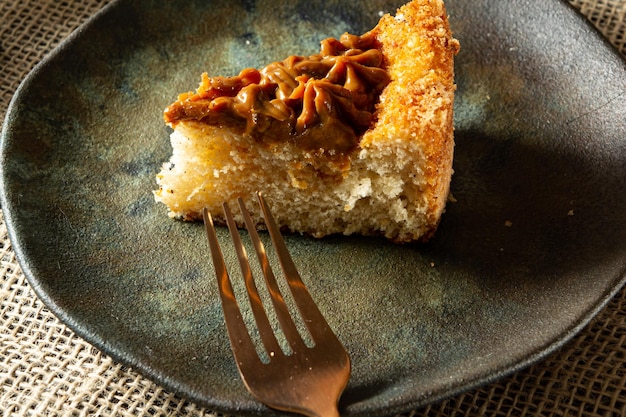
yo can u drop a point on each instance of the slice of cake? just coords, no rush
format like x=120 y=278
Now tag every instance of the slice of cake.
x=355 y=139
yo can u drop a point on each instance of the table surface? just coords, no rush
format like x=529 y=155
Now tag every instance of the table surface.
x=46 y=369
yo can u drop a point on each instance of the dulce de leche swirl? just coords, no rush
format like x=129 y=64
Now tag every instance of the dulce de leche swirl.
x=321 y=103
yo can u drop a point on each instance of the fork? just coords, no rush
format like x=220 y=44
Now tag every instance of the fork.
x=307 y=380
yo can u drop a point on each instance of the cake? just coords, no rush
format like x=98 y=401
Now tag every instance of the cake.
x=357 y=139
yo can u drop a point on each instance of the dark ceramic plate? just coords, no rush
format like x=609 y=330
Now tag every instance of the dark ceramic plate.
x=533 y=247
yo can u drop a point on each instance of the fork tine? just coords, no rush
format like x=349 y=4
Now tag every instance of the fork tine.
x=282 y=312
x=241 y=343
x=313 y=318
x=263 y=325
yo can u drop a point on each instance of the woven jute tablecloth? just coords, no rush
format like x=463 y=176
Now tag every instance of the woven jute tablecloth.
x=46 y=370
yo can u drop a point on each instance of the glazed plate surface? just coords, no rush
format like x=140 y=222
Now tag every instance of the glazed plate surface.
x=532 y=248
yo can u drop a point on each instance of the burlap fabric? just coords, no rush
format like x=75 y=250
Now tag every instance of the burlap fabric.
x=46 y=370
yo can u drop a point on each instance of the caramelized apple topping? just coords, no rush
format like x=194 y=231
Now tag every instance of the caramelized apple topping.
x=322 y=103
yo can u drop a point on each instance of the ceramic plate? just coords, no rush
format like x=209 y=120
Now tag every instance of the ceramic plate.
x=533 y=247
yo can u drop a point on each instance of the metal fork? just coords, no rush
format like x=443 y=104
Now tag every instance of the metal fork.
x=308 y=380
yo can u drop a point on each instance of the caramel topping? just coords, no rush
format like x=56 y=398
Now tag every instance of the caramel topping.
x=323 y=102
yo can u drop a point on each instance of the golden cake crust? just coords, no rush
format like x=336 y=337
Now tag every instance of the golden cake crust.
x=419 y=100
